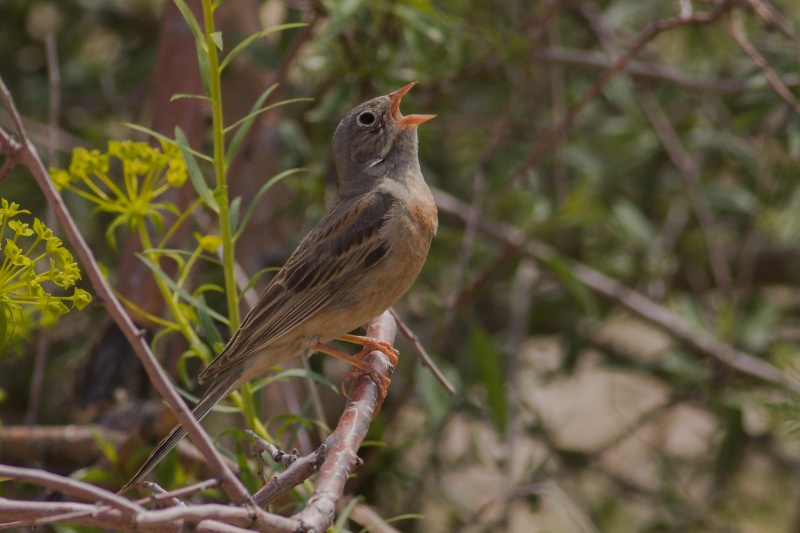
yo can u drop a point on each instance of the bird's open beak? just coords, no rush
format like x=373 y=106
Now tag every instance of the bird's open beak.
x=394 y=108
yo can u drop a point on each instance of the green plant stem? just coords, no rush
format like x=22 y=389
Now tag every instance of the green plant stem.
x=221 y=191
x=221 y=196
x=183 y=325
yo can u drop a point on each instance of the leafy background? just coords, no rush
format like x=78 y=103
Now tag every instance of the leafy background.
x=676 y=176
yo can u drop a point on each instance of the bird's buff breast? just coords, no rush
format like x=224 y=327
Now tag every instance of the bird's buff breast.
x=410 y=232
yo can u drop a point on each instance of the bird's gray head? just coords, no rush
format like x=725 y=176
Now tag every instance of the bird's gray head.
x=375 y=140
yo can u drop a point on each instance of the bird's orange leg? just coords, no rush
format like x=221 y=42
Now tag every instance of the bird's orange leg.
x=370 y=345
x=361 y=367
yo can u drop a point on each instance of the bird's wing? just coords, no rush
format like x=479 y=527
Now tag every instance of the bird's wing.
x=346 y=243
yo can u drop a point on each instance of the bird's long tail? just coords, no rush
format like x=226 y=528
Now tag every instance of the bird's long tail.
x=221 y=387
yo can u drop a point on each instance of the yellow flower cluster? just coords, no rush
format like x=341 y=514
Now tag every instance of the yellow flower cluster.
x=147 y=173
x=33 y=256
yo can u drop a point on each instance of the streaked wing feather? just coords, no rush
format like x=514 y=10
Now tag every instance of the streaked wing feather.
x=344 y=245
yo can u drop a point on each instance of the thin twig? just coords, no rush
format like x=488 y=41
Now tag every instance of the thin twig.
x=426 y=359
x=69 y=486
x=737 y=32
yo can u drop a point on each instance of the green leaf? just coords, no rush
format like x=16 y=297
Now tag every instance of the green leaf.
x=196 y=177
x=208 y=325
x=257 y=276
x=264 y=109
x=178 y=96
x=256 y=36
x=264 y=188
x=578 y=290
x=217 y=38
x=233 y=210
x=205 y=70
x=199 y=304
x=233 y=147
x=487 y=359
x=188 y=16
x=296 y=373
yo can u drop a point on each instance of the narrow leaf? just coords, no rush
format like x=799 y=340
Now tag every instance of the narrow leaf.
x=178 y=96
x=578 y=290
x=233 y=147
x=196 y=177
x=217 y=38
x=257 y=198
x=264 y=109
x=183 y=293
x=256 y=36
x=209 y=327
x=233 y=210
x=292 y=372
x=257 y=276
x=488 y=362
x=188 y=16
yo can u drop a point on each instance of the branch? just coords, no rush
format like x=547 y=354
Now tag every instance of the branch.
x=16 y=514
x=343 y=443
x=70 y=486
x=737 y=32
x=27 y=155
x=426 y=359
x=49 y=444
x=649 y=34
x=636 y=303
x=647 y=71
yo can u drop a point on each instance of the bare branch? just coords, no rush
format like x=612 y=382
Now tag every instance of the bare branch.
x=639 y=43
x=427 y=361
x=737 y=32
x=647 y=71
x=70 y=486
x=344 y=442
x=701 y=342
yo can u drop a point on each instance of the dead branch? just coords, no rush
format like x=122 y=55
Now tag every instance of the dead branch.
x=74 y=445
x=676 y=326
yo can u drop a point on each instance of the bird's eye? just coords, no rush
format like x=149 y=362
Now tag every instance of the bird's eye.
x=366 y=118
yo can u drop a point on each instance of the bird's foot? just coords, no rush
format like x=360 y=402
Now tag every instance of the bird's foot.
x=370 y=345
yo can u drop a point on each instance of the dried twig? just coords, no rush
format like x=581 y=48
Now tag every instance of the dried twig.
x=426 y=359
x=737 y=32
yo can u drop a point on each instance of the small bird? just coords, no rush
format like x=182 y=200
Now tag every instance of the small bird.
x=357 y=262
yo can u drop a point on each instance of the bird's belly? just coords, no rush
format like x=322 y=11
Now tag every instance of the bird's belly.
x=382 y=285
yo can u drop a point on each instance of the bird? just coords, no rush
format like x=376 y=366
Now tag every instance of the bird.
x=361 y=257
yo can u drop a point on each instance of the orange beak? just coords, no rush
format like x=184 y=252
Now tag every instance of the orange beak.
x=394 y=108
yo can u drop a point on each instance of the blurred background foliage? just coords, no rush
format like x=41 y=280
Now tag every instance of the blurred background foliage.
x=675 y=176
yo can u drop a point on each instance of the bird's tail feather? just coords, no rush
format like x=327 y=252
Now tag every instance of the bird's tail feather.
x=219 y=389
